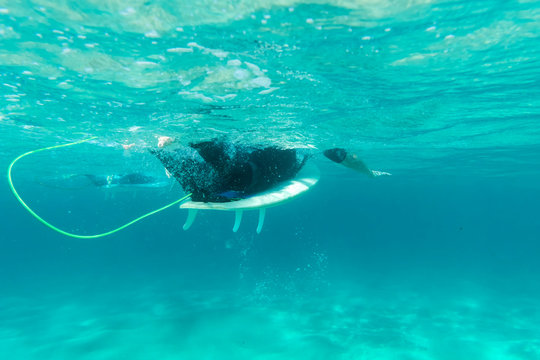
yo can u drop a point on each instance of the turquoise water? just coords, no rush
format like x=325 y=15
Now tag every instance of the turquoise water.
x=437 y=261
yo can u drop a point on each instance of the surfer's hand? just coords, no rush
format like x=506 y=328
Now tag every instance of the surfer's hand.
x=164 y=141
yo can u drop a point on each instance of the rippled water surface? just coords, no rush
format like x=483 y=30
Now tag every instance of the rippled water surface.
x=423 y=80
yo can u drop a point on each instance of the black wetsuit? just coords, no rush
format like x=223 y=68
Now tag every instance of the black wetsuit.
x=220 y=171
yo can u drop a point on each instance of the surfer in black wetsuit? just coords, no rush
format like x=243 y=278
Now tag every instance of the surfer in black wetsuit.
x=221 y=171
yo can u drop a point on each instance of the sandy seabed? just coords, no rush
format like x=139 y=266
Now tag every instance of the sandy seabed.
x=160 y=323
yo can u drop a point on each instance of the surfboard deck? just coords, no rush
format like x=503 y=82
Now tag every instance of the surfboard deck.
x=283 y=192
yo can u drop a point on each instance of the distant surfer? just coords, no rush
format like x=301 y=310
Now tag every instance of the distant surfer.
x=222 y=171
x=131 y=180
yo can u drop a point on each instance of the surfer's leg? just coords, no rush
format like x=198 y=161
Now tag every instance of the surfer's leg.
x=352 y=161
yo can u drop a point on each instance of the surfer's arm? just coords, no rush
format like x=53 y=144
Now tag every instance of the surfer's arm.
x=352 y=161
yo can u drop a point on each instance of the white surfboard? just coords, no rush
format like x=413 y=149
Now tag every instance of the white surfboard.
x=285 y=191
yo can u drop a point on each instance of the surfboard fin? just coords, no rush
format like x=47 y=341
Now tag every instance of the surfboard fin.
x=262 y=214
x=237 y=219
x=238 y=214
x=192 y=213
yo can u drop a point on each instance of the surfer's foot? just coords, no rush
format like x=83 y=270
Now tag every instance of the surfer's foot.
x=375 y=173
